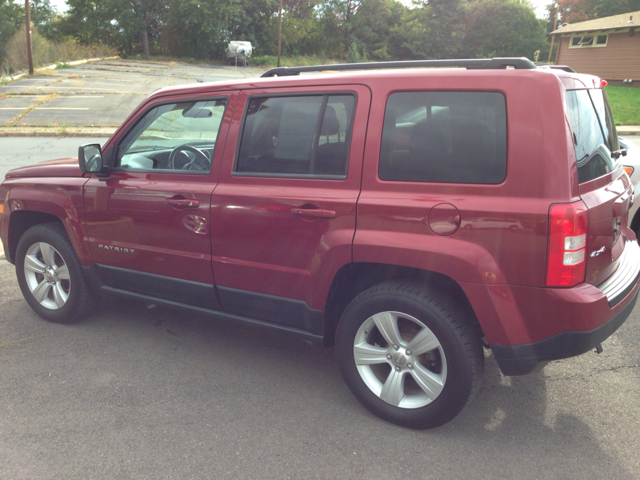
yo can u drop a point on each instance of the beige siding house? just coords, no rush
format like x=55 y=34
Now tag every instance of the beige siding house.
x=607 y=47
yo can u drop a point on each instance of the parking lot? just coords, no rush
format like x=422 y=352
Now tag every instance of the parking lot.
x=98 y=94
x=140 y=391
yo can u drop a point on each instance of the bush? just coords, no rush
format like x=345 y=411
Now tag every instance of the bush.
x=267 y=60
x=46 y=52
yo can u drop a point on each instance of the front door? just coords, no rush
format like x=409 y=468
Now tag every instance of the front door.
x=149 y=221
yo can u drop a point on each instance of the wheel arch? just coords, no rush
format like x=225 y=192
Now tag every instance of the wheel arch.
x=22 y=220
x=354 y=278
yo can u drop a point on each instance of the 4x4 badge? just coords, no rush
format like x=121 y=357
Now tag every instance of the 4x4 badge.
x=597 y=252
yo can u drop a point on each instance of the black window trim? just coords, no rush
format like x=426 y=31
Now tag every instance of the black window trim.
x=321 y=93
x=150 y=107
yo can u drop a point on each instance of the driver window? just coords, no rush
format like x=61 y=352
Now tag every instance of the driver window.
x=174 y=138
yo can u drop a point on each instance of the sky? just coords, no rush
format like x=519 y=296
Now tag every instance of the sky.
x=539 y=6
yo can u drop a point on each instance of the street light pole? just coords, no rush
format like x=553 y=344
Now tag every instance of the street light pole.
x=279 y=32
x=28 y=24
x=553 y=37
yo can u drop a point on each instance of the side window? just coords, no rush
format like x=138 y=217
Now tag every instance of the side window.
x=296 y=136
x=592 y=155
x=175 y=137
x=453 y=137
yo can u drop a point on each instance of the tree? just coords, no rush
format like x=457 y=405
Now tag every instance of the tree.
x=607 y=8
x=10 y=15
x=254 y=21
x=373 y=26
x=502 y=28
x=434 y=29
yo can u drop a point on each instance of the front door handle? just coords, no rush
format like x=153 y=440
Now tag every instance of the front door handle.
x=314 y=212
x=181 y=202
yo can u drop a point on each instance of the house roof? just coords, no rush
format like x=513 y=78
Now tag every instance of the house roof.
x=624 y=20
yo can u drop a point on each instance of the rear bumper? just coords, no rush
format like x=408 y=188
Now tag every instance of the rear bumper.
x=524 y=359
x=543 y=324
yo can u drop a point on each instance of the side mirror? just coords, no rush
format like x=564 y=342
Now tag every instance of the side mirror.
x=90 y=158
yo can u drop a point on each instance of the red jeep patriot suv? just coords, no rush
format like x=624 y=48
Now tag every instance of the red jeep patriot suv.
x=411 y=217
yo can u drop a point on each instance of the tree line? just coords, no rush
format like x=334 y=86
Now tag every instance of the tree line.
x=355 y=30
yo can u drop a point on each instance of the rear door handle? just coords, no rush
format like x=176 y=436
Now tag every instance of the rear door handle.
x=181 y=202
x=314 y=212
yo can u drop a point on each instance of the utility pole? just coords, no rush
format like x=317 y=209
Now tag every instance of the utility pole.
x=28 y=24
x=279 y=32
x=553 y=37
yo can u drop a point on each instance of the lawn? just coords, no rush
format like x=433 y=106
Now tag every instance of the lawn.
x=625 y=104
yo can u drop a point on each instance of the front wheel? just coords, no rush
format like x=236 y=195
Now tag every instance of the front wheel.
x=50 y=275
x=408 y=354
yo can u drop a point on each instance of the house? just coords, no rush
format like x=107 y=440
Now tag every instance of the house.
x=608 y=47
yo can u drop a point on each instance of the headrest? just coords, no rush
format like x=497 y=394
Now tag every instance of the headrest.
x=330 y=124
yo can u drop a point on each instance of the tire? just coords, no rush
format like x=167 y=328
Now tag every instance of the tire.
x=50 y=275
x=423 y=388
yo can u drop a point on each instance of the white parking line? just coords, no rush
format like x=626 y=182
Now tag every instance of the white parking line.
x=75 y=88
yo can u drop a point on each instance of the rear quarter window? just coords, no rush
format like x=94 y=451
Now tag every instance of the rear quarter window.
x=594 y=133
x=454 y=137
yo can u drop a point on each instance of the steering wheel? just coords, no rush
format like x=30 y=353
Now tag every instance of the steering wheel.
x=199 y=162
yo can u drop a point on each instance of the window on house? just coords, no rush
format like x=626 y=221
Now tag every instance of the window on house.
x=586 y=41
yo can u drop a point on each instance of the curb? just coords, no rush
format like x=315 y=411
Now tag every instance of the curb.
x=54 y=66
x=57 y=131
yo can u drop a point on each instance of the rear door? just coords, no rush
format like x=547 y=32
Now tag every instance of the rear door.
x=604 y=188
x=283 y=213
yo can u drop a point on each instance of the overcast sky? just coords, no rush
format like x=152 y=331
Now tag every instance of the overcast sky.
x=539 y=5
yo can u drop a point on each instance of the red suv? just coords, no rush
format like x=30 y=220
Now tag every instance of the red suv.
x=410 y=217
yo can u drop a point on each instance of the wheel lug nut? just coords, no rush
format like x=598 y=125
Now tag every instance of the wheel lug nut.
x=388 y=356
x=397 y=369
x=396 y=347
x=408 y=352
x=410 y=365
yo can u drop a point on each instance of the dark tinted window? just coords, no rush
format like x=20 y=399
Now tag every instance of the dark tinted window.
x=458 y=137
x=592 y=148
x=301 y=135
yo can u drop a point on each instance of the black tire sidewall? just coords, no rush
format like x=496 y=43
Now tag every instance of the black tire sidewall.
x=458 y=385
x=55 y=236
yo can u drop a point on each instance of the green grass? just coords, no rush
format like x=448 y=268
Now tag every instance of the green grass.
x=625 y=104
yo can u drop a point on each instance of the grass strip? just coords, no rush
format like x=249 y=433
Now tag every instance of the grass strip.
x=625 y=104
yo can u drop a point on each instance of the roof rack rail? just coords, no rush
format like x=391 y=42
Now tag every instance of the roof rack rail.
x=475 y=63
x=565 y=68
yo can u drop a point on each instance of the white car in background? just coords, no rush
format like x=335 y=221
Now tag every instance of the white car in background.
x=631 y=163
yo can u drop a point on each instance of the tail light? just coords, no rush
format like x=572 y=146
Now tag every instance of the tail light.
x=567 y=244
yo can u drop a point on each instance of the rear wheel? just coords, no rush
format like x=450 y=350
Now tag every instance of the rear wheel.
x=50 y=275
x=409 y=355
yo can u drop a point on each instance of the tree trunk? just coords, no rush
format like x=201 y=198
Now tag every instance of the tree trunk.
x=145 y=43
